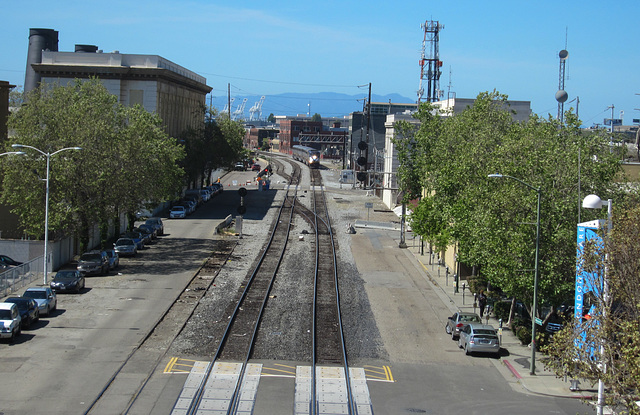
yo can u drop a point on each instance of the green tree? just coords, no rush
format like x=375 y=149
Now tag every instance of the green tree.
x=125 y=161
x=615 y=324
x=493 y=221
x=16 y=96
x=316 y=117
x=271 y=118
x=218 y=144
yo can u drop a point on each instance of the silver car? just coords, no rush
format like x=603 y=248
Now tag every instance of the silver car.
x=45 y=297
x=478 y=337
x=456 y=322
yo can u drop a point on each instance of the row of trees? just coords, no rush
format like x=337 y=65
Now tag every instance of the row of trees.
x=445 y=163
x=127 y=160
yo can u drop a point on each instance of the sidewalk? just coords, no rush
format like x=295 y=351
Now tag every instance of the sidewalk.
x=514 y=363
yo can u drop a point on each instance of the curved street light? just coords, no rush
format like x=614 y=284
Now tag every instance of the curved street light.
x=536 y=273
x=46 y=203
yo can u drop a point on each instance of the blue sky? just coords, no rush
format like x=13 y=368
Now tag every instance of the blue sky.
x=264 y=48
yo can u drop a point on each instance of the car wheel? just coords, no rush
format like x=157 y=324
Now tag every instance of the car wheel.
x=37 y=317
x=13 y=336
x=453 y=335
x=459 y=344
x=447 y=329
x=466 y=349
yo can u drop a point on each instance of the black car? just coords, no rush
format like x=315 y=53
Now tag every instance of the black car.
x=7 y=262
x=28 y=309
x=94 y=263
x=68 y=280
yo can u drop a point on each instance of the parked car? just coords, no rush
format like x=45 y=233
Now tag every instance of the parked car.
x=478 y=337
x=256 y=167
x=457 y=321
x=137 y=238
x=151 y=230
x=206 y=194
x=216 y=188
x=10 y=321
x=28 y=309
x=9 y=262
x=146 y=235
x=68 y=280
x=156 y=223
x=45 y=297
x=114 y=258
x=125 y=247
x=239 y=167
x=93 y=263
x=178 y=212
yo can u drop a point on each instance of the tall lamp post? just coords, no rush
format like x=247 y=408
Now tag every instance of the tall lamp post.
x=594 y=202
x=46 y=203
x=536 y=272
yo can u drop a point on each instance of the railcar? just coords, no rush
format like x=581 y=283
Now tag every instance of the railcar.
x=308 y=155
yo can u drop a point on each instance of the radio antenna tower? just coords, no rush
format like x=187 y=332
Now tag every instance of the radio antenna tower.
x=430 y=63
x=561 y=95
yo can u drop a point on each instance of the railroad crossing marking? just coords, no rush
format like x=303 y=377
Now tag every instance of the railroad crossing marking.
x=373 y=373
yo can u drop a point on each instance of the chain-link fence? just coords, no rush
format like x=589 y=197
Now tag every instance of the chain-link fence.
x=15 y=278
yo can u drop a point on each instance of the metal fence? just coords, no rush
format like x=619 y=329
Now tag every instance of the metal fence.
x=16 y=278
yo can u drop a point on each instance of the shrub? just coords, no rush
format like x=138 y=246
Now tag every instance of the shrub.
x=524 y=334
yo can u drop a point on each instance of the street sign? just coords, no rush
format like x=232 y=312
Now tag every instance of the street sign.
x=538 y=321
x=368 y=205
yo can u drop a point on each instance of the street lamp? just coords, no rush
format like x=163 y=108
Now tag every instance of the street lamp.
x=536 y=272
x=12 y=152
x=594 y=202
x=46 y=203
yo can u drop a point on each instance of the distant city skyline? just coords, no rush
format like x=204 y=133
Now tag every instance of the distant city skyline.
x=280 y=47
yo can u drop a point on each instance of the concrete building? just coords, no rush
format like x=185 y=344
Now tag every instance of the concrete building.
x=175 y=93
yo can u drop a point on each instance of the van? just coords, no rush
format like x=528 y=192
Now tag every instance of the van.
x=9 y=321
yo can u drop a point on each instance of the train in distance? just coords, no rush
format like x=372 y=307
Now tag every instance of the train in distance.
x=308 y=155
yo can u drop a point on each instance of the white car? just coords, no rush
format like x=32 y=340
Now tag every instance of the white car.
x=178 y=212
x=9 y=321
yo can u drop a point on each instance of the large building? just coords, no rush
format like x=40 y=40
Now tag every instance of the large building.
x=175 y=93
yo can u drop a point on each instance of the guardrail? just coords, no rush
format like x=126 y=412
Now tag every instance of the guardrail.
x=16 y=278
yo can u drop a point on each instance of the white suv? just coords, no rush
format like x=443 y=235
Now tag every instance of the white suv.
x=9 y=321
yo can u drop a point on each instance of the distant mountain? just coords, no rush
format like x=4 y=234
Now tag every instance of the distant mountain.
x=327 y=104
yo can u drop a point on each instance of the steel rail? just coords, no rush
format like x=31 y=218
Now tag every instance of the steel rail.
x=319 y=201
x=197 y=399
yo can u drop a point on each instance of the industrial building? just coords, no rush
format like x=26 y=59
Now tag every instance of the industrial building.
x=175 y=93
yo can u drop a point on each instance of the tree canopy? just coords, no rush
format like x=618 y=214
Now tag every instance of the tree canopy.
x=610 y=334
x=126 y=159
x=493 y=220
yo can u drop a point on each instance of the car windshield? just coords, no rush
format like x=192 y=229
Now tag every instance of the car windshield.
x=470 y=318
x=123 y=242
x=61 y=276
x=5 y=315
x=90 y=257
x=23 y=304
x=40 y=295
x=484 y=331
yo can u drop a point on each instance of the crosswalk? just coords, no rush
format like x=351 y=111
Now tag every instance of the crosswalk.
x=331 y=387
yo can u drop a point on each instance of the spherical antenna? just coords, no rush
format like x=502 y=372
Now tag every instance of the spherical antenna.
x=563 y=54
x=562 y=96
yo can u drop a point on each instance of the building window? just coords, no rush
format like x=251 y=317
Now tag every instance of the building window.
x=136 y=97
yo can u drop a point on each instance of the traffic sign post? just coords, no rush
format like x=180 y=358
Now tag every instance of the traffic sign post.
x=368 y=205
